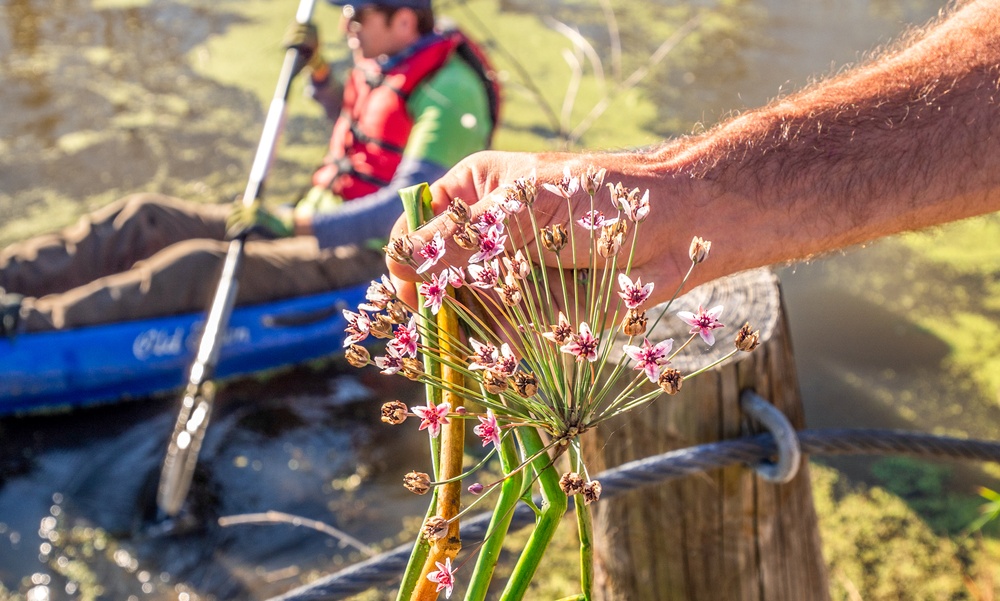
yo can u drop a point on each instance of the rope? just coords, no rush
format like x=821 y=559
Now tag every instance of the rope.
x=389 y=566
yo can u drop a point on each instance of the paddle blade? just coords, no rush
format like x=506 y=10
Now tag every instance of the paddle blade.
x=185 y=443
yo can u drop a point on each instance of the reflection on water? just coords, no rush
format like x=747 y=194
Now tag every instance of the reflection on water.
x=100 y=100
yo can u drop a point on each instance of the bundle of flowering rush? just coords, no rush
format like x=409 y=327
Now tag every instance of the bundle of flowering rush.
x=529 y=349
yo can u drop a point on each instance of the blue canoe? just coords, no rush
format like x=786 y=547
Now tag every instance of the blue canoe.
x=67 y=368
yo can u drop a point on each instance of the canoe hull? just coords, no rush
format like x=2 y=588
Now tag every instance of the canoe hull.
x=67 y=368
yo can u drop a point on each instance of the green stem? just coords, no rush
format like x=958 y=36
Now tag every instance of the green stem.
x=510 y=492
x=585 y=527
x=414 y=199
x=553 y=507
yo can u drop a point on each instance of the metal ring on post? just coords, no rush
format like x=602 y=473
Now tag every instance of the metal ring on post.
x=785 y=437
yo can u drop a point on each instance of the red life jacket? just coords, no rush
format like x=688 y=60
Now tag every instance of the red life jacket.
x=373 y=127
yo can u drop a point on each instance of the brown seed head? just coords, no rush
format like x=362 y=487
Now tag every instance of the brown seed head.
x=394 y=412
x=747 y=340
x=554 y=237
x=417 y=482
x=400 y=249
x=467 y=237
x=591 y=492
x=458 y=211
x=397 y=312
x=358 y=356
x=609 y=243
x=526 y=384
x=494 y=382
x=670 y=381
x=435 y=528
x=571 y=483
x=699 y=249
x=635 y=322
x=412 y=368
x=381 y=326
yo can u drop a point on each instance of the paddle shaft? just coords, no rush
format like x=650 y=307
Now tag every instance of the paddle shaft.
x=199 y=394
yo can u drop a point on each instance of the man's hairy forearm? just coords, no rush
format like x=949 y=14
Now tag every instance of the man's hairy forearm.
x=906 y=141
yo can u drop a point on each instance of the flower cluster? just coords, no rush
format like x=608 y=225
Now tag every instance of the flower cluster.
x=536 y=352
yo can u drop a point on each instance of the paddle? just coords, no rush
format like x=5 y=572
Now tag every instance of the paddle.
x=196 y=407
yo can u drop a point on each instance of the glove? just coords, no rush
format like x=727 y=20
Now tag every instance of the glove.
x=255 y=219
x=305 y=38
x=318 y=200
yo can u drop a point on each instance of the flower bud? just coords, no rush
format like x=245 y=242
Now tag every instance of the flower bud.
x=394 y=412
x=458 y=211
x=526 y=189
x=591 y=492
x=476 y=489
x=592 y=179
x=525 y=383
x=400 y=249
x=357 y=355
x=435 y=528
x=670 y=381
x=412 y=368
x=417 y=482
x=699 y=249
x=571 y=483
x=635 y=322
x=554 y=237
x=381 y=326
x=747 y=340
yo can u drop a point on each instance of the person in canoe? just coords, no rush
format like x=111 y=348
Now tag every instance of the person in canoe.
x=417 y=100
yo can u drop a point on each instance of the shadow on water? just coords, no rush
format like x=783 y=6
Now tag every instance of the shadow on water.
x=305 y=443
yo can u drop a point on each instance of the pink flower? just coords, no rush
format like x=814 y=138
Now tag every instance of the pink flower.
x=484 y=355
x=488 y=429
x=634 y=294
x=490 y=245
x=391 y=362
x=703 y=323
x=518 y=266
x=595 y=220
x=649 y=358
x=358 y=327
x=486 y=275
x=633 y=205
x=444 y=577
x=506 y=363
x=455 y=275
x=431 y=252
x=434 y=291
x=561 y=332
x=405 y=342
x=491 y=220
x=566 y=187
x=583 y=344
x=432 y=416
x=379 y=294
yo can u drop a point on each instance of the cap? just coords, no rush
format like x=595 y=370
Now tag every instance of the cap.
x=416 y=4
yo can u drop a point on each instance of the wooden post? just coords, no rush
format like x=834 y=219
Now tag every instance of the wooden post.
x=725 y=534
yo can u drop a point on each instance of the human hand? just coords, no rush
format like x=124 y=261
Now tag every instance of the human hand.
x=661 y=249
x=255 y=219
x=304 y=37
